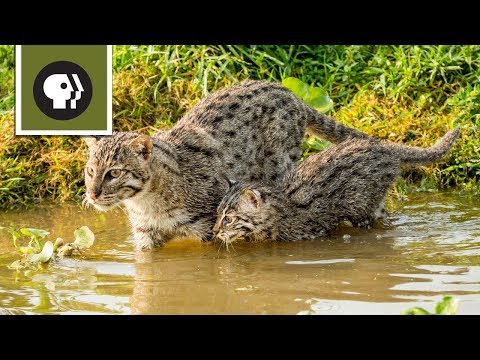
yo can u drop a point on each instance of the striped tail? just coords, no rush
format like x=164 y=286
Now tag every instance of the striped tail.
x=325 y=127
x=423 y=156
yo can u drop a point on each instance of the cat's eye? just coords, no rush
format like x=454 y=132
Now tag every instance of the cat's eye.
x=90 y=171
x=228 y=220
x=115 y=173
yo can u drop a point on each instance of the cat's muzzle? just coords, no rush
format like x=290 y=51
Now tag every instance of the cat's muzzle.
x=222 y=236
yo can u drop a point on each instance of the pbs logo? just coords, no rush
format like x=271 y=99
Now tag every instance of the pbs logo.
x=62 y=90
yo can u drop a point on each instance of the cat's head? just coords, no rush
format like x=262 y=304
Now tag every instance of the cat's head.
x=240 y=214
x=117 y=169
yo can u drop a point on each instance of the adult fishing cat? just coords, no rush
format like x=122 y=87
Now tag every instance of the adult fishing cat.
x=346 y=182
x=172 y=182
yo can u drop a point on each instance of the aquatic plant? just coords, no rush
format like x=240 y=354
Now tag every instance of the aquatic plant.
x=36 y=252
x=448 y=306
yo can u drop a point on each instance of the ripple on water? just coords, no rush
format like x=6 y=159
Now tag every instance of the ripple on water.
x=432 y=249
x=319 y=262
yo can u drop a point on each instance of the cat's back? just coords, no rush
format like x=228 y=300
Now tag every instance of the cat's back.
x=254 y=127
x=335 y=158
x=356 y=168
x=226 y=106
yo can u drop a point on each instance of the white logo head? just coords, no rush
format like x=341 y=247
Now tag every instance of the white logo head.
x=58 y=88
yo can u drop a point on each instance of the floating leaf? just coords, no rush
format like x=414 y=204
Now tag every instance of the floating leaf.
x=17 y=265
x=34 y=232
x=37 y=253
x=65 y=250
x=448 y=306
x=26 y=250
x=59 y=242
x=415 y=311
x=298 y=87
x=44 y=256
x=84 y=237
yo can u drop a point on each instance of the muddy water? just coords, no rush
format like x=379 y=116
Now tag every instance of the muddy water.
x=432 y=249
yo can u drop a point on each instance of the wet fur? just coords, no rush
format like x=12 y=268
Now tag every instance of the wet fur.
x=172 y=182
x=347 y=182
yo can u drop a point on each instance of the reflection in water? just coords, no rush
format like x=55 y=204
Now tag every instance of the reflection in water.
x=198 y=280
x=432 y=250
x=443 y=279
x=331 y=261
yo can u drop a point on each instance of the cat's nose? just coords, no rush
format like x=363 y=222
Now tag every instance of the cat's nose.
x=216 y=230
x=92 y=196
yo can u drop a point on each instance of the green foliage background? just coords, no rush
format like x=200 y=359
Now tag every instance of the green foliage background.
x=405 y=94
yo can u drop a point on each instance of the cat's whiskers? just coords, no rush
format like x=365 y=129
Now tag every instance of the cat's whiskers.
x=219 y=246
x=346 y=182
x=168 y=167
x=231 y=244
x=119 y=205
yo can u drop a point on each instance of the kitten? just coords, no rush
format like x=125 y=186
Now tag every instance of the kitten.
x=171 y=183
x=346 y=182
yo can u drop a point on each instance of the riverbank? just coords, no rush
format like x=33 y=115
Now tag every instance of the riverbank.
x=405 y=94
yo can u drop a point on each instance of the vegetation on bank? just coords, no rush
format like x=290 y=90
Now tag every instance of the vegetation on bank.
x=405 y=94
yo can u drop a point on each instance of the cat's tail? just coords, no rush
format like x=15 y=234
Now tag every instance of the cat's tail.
x=325 y=127
x=423 y=156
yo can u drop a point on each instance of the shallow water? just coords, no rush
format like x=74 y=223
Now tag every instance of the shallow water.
x=432 y=249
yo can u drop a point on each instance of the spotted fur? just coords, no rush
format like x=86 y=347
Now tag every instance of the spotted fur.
x=172 y=182
x=347 y=182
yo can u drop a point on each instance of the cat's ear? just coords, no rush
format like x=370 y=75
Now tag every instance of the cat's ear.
x=142 y=145
x=229 y=181
x=91 y=141
x=250 y=200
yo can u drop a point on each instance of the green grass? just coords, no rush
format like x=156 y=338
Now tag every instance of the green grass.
x=405 y=94
x=7 y=64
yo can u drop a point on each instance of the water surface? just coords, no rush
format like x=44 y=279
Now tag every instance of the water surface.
x=432 y=249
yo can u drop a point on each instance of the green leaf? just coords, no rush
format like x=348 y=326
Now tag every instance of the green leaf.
x=34 y=232
x=448 y=306
x=44 y=256
x=15 y=233
x=374 y=70
x=26 y=250
x=34 y=242
x=415 y=311
x=318 y=98
x=314 y=96
x=65 y=250
x=16 y=265
x=59 y=242
x=315 y=143
x=298 y=87
x=84 y=237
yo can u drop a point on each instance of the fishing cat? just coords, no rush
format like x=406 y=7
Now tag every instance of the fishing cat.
x=346 y=182
x=171 y=183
